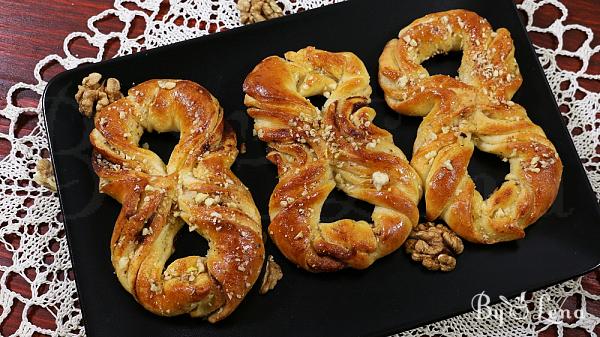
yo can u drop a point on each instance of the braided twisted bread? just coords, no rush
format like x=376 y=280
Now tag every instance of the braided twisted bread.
x=196 y=187
x=473 y=110
x=316 y=150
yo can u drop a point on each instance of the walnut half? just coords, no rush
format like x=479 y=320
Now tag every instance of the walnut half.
x=44 y=174
x=93 y=95
x=435 y=246
x=252 y=11
x=272 y=274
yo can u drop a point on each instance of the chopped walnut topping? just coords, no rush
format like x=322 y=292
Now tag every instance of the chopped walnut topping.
x=93 y=95
x=252 y=11
x=533 y=165
x=499 y=213
x=200 y=197
x=448 y=165
x=430 y=154
x=123 y=262
x=434 y=246
x=154 y=287
x=380 y=179
x=200 y=265
x=272 y=274
x=211 y=201
x=44 y=174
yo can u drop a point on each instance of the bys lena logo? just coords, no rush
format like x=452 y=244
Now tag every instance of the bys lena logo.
x=518 y=309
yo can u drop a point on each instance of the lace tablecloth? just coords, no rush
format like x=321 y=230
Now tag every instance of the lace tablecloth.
x=30 y=227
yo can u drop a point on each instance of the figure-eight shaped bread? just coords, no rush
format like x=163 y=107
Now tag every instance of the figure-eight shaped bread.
x=473 y=110
x=316 y=150
x=195 y=187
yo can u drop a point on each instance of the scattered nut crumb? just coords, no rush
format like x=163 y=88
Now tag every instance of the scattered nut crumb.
x=44 y=174
x=272 y=274
x=93 y=95
x=154 y=287
x=243 y=148
x=380 y=179
x=147 y=231
x=252 y=11
x=448 y=165
x=434 y=246
x=123 y=262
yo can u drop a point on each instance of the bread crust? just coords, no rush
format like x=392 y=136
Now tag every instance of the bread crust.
x=317 y=150
x=472 y=110
x=196 y=187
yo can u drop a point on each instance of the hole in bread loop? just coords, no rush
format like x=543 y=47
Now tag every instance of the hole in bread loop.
x=318 y=101
x=317 y=88
x=444 y=64
x=339 y=205
x=187 y=244
x=487 y=171
x=162 y=144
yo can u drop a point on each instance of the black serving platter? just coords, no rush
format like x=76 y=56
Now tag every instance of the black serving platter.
x=394 y=294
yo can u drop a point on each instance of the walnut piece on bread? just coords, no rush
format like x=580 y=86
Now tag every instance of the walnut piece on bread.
x=272 y=275
x=93 y=94
x=434 y=246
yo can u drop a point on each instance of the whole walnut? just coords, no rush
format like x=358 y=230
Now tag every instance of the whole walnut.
x=434 y=245
x=93 y=95
x=252 y=11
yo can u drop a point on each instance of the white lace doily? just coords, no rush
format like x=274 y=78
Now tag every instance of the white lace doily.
x=30 y=227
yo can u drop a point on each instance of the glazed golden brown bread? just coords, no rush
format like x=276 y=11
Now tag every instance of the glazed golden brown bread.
x=195 y=187
x=472 y=110
x=316 y=150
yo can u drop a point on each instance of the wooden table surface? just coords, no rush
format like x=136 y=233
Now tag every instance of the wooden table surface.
x=31 y=29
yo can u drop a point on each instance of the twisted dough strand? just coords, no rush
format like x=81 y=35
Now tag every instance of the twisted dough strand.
x=473 y=110
x=317 y=150
x=196 y=187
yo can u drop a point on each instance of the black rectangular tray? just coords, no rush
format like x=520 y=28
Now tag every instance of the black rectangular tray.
x=394 y=294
